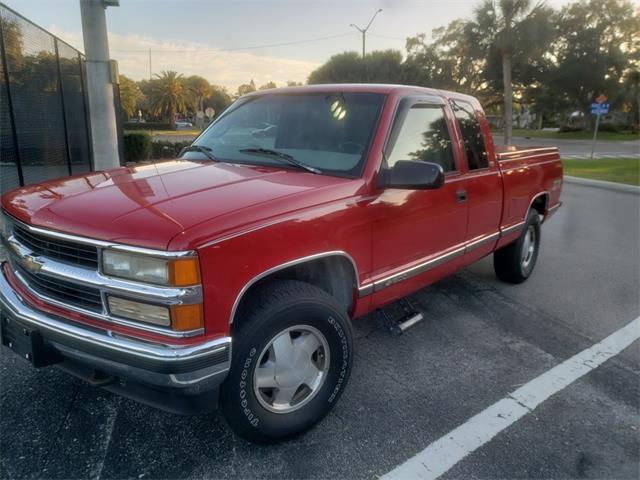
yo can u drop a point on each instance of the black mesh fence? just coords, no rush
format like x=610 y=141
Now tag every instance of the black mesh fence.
x=43 y=105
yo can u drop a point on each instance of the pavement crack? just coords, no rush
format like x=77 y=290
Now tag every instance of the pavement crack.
x=76 y=391
x=111 y=422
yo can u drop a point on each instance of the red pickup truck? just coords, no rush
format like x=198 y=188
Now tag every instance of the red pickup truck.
x=230 y=275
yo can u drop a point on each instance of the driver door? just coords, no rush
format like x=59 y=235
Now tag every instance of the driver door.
x=419 y=234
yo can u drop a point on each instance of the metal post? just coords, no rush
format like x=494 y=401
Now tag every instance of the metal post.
x=364 y=34
x=5 y=67
x=85 y=109
x=595 y=134
x=67 y=149
x=104 y=133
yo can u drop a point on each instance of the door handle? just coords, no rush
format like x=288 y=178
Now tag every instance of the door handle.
x=461 y=196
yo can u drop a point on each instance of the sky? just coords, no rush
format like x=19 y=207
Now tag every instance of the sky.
x=231 y=42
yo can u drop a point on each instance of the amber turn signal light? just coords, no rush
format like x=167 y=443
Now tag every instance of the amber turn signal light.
x=187 y=317
x=184 y=272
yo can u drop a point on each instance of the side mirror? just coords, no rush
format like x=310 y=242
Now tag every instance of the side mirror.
x=414 y=175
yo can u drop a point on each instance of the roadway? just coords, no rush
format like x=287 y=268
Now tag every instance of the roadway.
x=481 y=340
x=580 y=148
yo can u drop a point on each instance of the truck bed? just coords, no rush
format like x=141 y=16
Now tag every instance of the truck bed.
x=525 y=169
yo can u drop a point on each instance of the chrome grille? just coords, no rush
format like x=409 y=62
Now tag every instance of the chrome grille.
x=62 y=250
x=62 y=291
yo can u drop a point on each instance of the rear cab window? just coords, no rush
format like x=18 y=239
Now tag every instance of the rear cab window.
x=475 y=149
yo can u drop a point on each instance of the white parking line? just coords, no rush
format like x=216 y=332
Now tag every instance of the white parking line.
x=445 y=452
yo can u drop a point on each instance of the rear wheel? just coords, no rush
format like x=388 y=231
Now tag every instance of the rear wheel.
x=514 y=263
x=291 y=361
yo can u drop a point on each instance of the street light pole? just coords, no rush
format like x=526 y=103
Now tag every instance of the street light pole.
x=364 y=31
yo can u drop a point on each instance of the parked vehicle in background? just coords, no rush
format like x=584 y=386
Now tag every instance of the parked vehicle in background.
x=296 y=211
x=183 y=125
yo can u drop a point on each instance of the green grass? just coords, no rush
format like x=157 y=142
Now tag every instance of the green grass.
x=619 y=170
x=571 y=135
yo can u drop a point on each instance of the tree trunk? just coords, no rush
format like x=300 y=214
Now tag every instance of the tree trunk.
x=508 y=98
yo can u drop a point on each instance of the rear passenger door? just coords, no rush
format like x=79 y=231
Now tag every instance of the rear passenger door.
x=483 y=183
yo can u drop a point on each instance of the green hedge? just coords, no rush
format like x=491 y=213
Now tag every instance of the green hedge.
x=167 y=149
x=148 y=126
x=137 y=146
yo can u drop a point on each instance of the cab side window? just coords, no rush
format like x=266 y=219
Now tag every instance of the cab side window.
x=472 y=136
x=423 y=136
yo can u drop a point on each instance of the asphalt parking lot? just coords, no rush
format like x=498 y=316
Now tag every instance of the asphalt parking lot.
x=481 y=339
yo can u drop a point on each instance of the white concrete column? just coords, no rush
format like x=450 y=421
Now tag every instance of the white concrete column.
x=104 y=133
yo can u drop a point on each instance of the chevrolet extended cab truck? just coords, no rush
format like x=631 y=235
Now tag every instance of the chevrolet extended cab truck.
x=230 y=275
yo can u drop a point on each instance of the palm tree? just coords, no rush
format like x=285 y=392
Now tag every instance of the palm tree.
x=168 y=95
x=507 y=24
x=198 y=89
x=130 y=96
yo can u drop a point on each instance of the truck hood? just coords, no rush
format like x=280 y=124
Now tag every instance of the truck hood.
x=149 y=205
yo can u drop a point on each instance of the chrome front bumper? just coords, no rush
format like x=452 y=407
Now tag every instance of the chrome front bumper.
x=188 y=369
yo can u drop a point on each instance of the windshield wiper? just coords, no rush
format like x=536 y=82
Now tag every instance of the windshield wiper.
x=282 y=156
x=199 y=148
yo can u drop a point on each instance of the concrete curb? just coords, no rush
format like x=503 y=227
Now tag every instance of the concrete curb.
x=620 y=187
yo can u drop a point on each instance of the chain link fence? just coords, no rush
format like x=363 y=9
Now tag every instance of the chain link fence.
x=44 y=117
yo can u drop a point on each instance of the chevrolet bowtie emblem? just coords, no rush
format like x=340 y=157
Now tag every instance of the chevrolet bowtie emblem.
x=31 y=263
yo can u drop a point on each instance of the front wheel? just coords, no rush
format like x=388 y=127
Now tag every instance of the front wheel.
x=514 y=263
x=291 y=360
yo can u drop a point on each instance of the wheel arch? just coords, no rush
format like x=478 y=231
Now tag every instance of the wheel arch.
x=540 y=203
x=335 y=272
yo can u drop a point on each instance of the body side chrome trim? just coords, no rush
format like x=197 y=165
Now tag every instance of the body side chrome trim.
x=555 y=207
x=511 y=229
x=417 y=269
x=365 y=290
x=427 y=265
x=485 y=239
x=291 y=263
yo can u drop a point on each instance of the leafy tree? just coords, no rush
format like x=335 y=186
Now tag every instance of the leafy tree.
x=292 y=83
x=598 y=43
x=246 y=88
x=268 y=86
x=350 y=67
x=451 y=61
x=632 y=93
x=219 y=99
x=198 y=90
x=344 y=67
x=168 y=95
x=507 y=32
x=130 y=96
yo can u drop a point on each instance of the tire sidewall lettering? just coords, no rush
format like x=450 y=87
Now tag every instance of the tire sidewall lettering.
x=245 y=387
x=242 y=393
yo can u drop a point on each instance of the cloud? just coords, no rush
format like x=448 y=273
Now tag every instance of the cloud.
x=227 y=68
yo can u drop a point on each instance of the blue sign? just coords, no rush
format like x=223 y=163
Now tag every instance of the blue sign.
x=599 y=108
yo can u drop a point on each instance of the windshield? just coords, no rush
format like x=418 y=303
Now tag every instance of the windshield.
x=328 y=132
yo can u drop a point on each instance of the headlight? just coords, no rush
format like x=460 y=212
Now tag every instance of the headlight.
x=146 y=269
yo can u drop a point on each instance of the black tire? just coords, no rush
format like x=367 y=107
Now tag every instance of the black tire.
x=508 y=262
x=272 y=309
